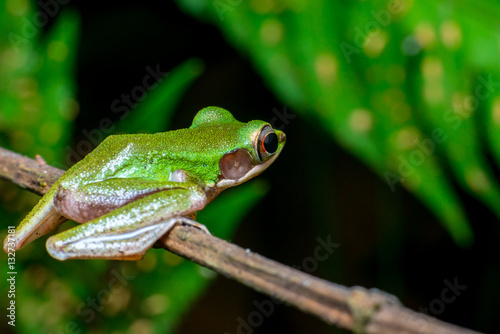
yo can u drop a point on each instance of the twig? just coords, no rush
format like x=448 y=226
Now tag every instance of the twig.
x=354 y=308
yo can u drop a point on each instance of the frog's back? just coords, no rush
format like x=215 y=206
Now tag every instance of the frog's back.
x=154 y=156
x=118 y=156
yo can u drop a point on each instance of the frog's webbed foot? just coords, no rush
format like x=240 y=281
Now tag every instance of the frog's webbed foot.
x=186 y=222
x=128 y=232
x=193 y=223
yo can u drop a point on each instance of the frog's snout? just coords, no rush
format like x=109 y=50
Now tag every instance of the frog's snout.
x=281 y=136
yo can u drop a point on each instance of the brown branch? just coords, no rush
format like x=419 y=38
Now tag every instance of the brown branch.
x=354 y=308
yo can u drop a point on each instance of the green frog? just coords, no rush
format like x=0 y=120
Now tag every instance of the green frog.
x=133 y=188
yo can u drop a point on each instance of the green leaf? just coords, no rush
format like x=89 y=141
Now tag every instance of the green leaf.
x=370 y=78
x=155 y=112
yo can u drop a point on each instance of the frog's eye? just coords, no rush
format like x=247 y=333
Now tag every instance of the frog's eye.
x=267 y=143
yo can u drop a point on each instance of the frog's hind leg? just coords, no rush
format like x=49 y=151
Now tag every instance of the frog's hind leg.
x=41 y=220
x=128 y=232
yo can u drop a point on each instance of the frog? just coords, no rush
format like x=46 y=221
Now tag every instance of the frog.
x=132 y=189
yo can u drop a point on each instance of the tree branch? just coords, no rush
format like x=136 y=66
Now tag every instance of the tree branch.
x=356 y=308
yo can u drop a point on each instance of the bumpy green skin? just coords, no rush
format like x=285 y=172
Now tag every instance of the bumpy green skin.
x=132 y=189
x=196 y=150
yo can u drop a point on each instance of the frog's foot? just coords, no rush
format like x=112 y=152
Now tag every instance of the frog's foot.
x=182 y=221
x=193 y=223
x=41 y=220
x=364 y=303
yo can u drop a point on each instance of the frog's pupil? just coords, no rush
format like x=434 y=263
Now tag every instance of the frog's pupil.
x=271 y=142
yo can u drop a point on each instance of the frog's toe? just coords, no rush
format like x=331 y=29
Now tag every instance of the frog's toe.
x=7 y=244
x=12 y=243
x=54 y=249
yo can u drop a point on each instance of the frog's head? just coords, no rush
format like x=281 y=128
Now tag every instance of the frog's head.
x=246 y=149
x=259 y=147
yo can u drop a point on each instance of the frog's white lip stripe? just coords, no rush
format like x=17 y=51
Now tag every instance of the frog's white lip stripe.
x=223 y=184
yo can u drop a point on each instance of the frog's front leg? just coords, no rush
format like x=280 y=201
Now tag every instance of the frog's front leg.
x=127 y=232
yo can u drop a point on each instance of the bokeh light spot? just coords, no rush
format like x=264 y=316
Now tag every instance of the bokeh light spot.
x=432 y=68
x=477 y=180
x=451 y=34
x=375 y=43
x=262 y=6
x=141 y=326
x=425 y=35
x=361 y=120
x=57 y=51
x=326 y=68
x=155 y=304
x=407 y=137
x=496 y=112
x=271 y=32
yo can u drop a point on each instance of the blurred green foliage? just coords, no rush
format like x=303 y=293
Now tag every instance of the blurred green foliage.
x=36 y=80
x=431 y=72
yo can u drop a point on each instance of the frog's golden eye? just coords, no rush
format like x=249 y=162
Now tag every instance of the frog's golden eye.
x=267 y=143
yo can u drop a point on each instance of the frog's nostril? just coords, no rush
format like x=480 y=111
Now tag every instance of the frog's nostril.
x=282 y=136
